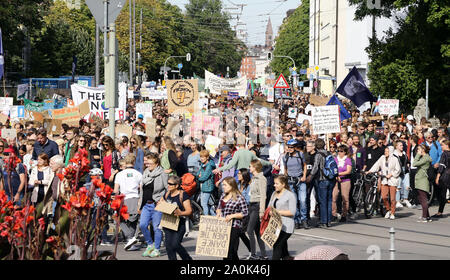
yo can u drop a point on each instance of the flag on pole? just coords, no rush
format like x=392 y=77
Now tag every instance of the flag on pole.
x=354 y=88
x=74 y=68
x=343 y=113
x=376 y=106
x=2 y=56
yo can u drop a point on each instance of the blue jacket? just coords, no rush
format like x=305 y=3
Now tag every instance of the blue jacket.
x=139 y=163
x=435 y=152
x=50 y=148
x=206 y=177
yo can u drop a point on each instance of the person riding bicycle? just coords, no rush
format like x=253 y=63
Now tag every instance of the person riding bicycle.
x=389 y=169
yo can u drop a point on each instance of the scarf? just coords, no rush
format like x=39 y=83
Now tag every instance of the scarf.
x=150 y=176
x=341 y=161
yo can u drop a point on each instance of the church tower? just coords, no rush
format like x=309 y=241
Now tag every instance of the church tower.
x=269 y=35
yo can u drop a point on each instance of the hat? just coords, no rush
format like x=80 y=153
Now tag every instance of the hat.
x=409 y=117
x=141 y=116
x=292 y=142
x=319 y=253
x=224 y=148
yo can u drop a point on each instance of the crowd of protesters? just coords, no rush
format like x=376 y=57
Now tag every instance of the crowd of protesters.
x=244 y=176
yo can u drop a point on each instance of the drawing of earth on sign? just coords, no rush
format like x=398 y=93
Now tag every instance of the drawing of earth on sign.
x=182 y=93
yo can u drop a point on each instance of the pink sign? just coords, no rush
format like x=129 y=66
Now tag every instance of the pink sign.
x=204 y=122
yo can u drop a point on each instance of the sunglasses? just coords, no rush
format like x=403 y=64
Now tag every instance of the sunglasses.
x=6 y=154
x=171 y=184
x=334 y=147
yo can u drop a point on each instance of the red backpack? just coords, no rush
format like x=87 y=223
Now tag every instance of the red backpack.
x=188 y=183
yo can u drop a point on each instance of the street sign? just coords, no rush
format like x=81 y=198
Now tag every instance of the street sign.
x=188 y=57
x=165 y=69
x=281 y=83
x=300 y=84
x=303 y=71
x=180 y=65
x=97 y=10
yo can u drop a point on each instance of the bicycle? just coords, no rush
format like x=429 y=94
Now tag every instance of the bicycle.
x=358 y=193
x=373 y=198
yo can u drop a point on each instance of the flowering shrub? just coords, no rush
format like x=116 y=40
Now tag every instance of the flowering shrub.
x=24 y=234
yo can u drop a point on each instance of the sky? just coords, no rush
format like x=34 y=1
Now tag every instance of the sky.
x=256 y=15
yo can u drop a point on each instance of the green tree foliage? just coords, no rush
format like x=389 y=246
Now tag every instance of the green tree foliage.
x=419 y=50
x=19 y=19
x=293 y=40
x=207 y=35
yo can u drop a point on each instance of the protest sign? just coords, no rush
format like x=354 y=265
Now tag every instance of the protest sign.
x=84 y=108
x=53 y=126
x=325 y=119
x=96 y=97
x=9 y=133
x=5 y=104
x=232 y=95
x=211 y=144
x=182 y=95
x=216 y=84
x=34 y=116
x=376 y=118
x=17 y=112
x=202 y=104
x=171 y=126
x=145 y=109
x=270 y=95
x=318 y=100
x=150 y=127
x=213 y=237
x=168 y=220
x=388 y=107
x=302 y=117
x=67 y=115
x=292 y=113
x=203 y=122
x=153 y=94
x=273 y=229
x=123 y=129
x=261 y=101
x=33 y=106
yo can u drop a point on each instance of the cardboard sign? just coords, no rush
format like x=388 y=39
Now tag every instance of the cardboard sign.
x=203 y=122
x=168 y=220
x=84 y=108
x=261 y=101
x=171 y=126
x=376 y=118
x=273 y=229
x=213 y=237
x=53 y=126
x=150 y=127
x=67 y=115
x=292 y=113
x=388 y=107
x=3 y=119
x=182 y=96
x=123 y=129
x=17 y=112
x=9 y=133
x=325 y=119
x=34 y=116
x=318 y=100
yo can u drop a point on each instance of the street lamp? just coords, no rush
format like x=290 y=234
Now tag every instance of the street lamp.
x=188 y=58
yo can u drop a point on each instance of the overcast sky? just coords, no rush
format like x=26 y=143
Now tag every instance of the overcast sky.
x=256 y=14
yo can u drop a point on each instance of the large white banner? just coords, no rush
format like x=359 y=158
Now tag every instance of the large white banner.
x=325 y=119
x=216 y=84
x=145 y=109
x=96 y=97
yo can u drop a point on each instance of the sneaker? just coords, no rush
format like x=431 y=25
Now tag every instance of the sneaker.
x=305 y=224
x=252 y=258
x=398 y=205
x=297 y=226
x=321 y=225
x=155 y=253
x=264 y=258
x=134 y=247
x=422 y=220
x=408 y=204
x=329 y=224
x=392 y=217
x=388 y=214
x=343 y=220
x=334 y=219
x=130 y=243
x=149 y=250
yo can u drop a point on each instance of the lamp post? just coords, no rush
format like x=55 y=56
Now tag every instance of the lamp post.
x=188 y=58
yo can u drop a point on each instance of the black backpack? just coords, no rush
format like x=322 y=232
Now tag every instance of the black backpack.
x=444 y=179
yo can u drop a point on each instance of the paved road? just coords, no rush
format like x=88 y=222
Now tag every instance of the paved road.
x=362 y=239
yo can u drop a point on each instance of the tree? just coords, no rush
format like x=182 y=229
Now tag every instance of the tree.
x=208 y=36
x=402 y=62
x=293 y=41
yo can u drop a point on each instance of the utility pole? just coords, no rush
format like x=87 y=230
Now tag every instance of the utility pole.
x=97 y=55
x=140 y=49
x=134 y=39
x=131 y=47
x=111 y=75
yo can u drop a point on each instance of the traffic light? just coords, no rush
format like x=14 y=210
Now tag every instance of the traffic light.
x=269 y=56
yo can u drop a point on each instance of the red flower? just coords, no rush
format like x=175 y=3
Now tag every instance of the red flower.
x=67 y=206
x=4 y=234
x=60 y=176
x=30 y=219
x=41 y=223
x=124 y=212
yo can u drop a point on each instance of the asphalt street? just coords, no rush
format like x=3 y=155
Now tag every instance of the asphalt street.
x=361 y=239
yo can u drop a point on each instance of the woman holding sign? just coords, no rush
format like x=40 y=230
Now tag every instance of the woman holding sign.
x=285 y=202
x=176 y=195
x=232 y=207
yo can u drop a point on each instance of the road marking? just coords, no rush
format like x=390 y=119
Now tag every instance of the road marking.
x=316 y=236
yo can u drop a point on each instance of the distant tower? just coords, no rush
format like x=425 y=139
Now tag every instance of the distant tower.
x=269 y=35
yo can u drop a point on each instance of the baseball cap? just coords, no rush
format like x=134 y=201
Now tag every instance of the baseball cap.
x=141 y=116
x=224 y=148
x=409 y=117
x=292 y=142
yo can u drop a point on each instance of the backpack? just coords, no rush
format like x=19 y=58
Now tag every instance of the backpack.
x=444 y=179
x=330 y=168
x=188 y=184
x=402 y=172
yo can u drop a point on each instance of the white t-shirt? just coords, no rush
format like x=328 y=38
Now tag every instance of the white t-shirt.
x=129 y=181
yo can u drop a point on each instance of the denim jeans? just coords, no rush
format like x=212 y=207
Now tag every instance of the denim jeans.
x=204 y=200
x=403 y=188
x=300 y=192
x=173 y=240
x=325 y=194
x=149 y=214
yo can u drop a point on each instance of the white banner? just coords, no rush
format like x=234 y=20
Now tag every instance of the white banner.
x=325 y=119
x=388 y=106
x=145 y=109
x=302 y=117
x=153 y=94
x=96 y=97
x=292 y=113
x=216 y=84
x=270 y=95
